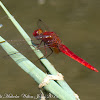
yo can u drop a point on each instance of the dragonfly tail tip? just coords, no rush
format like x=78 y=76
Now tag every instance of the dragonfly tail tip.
x=96 y=70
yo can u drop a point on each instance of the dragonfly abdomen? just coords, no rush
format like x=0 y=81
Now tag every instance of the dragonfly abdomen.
x=69 y=53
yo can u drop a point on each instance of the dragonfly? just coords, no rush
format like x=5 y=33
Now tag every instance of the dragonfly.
x=52 y=40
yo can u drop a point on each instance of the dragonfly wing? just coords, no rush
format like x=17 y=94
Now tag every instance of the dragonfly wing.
x=43 y=26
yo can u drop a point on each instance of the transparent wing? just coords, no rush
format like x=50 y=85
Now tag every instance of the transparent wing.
x=43 y=26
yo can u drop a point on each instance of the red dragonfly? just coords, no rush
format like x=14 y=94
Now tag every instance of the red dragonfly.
x=52 y=41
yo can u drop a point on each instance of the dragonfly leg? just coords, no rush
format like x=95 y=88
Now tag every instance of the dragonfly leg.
x=36 y=44
x=46 y=46
x=39 y=44
x=33 y=44
x=50 y=53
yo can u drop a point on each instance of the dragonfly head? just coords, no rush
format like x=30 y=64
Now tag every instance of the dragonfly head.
x=37 y=32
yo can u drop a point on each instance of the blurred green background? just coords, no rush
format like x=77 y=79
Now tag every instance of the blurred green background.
x=77 y=23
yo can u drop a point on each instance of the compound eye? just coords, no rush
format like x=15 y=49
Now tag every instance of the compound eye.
x=39 y=31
